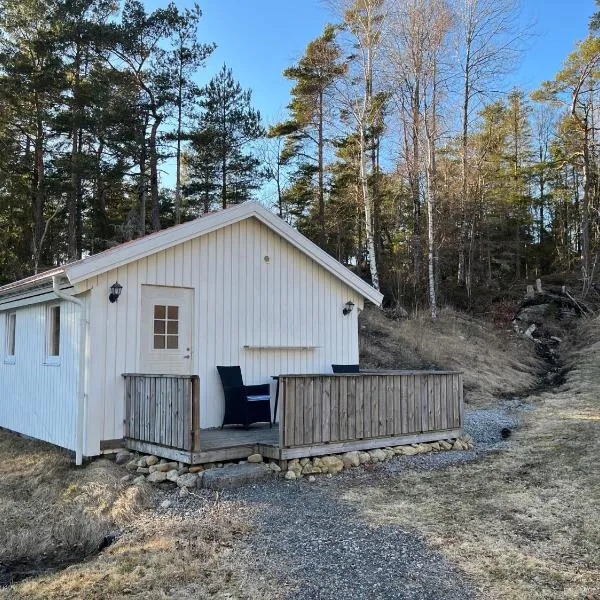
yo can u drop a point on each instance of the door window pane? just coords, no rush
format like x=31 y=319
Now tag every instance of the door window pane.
x=166 y=327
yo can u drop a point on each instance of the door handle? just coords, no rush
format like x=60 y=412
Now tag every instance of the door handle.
x=187 y=356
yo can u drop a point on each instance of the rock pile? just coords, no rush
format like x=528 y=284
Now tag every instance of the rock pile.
x=334 y=463
x=151 y=469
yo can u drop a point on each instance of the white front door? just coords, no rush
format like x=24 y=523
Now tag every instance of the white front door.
x=166 y=330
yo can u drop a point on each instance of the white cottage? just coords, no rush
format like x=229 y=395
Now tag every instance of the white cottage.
x=237 y=287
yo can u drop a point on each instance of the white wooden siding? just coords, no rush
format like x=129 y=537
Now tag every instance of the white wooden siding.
x=38 y=399
x=240 y=300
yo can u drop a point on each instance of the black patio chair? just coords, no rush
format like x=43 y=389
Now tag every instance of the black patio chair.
x=345 y=368
x=244 y=404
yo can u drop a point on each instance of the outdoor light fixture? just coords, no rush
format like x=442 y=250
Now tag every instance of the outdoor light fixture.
x=348 y=307
x=115 y=291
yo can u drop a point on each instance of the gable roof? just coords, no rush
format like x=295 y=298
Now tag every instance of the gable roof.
x=125 y=253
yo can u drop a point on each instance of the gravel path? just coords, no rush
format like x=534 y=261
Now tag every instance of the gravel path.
x=315 y=546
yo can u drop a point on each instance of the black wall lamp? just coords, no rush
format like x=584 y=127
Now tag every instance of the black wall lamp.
x=115 y=291
x=349 y=306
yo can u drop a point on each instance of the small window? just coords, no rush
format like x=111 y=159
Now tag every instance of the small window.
x=53 y=343
x=166 y=327
x=11 y=330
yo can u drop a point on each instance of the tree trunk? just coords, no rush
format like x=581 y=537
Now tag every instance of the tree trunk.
x=142 y=182
x=39 y=196
x=321 y=175
x=178 y=157
x=464 y=187
x=154 y=198
x=75 y=167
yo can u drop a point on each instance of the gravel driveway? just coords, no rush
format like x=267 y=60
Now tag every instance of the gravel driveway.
x=316 y=546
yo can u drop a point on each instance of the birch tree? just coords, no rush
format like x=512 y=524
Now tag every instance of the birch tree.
x=364 y=20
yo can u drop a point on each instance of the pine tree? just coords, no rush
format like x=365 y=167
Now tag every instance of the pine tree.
x=315 y=75
x=229 y=125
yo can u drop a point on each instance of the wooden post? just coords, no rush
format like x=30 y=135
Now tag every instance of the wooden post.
x=538 y=285
x=195 y=413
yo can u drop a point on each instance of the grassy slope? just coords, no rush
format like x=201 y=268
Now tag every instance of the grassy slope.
x=523 y=523
x=50 y=511
x=493 y=361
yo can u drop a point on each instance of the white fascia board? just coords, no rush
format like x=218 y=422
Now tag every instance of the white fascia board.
x=113 y=259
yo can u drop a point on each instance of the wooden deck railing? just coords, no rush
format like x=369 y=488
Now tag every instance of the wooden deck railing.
x=325 y=409
x=162 y=410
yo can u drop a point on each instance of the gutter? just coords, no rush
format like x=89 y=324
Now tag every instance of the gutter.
x=82 y=363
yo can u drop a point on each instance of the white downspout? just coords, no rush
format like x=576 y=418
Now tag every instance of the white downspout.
x=82 y=364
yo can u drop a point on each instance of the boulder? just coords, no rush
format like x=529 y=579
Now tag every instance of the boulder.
x=172 y=475
x=311 y=479
x=364 y=457
x=445 y=445
x=132 y=466
x=310 y=469
x=290 y=475
x=157 y=477
x=188 y=480
x=423 y=448
x=275 y=467
x=182 y=471
x=123 y=457
x=221 y=479
x=378 y=455
x=142 y=462
x=163 y=467
x=389 y=452
x=196 y=469
x=410 y=451
x=139 y=480
x=151 y=460
x=458 y=445
x=435 y=446
x=533 y=314
x=295 y=466
x=351 y=459
x=255 y=458
x=304 y=461
x=143 y=470
x=331 y=464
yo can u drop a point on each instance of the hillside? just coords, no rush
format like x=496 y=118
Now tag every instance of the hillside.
x=494 y=361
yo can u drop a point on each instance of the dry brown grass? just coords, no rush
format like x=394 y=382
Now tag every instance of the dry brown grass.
x=493 y=361
x=524 y=523
x=52 y=513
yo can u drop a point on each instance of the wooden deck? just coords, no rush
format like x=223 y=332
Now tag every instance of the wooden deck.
x=319 y=414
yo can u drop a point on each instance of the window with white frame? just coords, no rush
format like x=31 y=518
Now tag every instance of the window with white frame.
x=53 y=334
x=11 y=332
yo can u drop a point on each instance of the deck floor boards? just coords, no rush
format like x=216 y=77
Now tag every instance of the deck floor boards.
x=229 y=437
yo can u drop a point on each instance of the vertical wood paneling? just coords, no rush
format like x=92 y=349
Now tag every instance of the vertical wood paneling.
x=38 y=399
x=328 y=408
x=158 y=410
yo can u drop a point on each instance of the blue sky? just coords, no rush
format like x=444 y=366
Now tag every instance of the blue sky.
x=258 y=39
